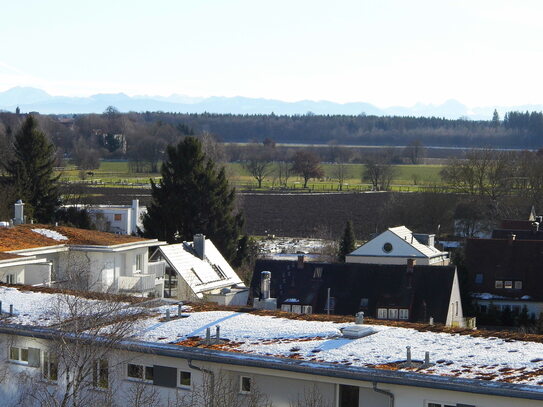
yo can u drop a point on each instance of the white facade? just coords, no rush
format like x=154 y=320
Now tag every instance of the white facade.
x=120 y=219
x=396 y=246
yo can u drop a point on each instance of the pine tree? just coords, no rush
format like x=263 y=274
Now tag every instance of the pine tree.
x=347 y=243
x=31 y=171
x=192 y=197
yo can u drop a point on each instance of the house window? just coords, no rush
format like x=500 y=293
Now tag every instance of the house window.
x=382 y=313
x=100 y=374
x=499 y=284
x=392 y=313
x=479 y=278
x=50 y=367
x=364 y=302
x=10 y=279
x=184 y=379
x=139 y=262
x=244 y=385
x=140 y=372
x=317 y=273
x=387 y=247
x=518 y=285
x=18 y=354
x=508 y=284
x=118 y=217
x=456 y=308
x=404 y=314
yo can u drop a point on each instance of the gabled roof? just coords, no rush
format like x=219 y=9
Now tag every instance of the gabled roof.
x=35 y=236
x=399 y=237
x=201 y=275
x=349 y=283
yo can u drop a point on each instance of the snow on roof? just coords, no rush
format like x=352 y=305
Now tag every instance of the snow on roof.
x=50 y=234
x=464 y=356
x=201 y=275
x=405 y=234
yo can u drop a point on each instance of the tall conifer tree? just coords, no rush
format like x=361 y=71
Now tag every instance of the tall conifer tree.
x=31 y=171
x=347 y=243
x=192 y=197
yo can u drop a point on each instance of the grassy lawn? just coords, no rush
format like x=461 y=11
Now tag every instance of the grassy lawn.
x=117 y=173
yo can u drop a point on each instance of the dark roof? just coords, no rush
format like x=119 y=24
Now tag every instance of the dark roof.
x=516 y=224
x=426 y=292
x=520 y=234
x=503 y=259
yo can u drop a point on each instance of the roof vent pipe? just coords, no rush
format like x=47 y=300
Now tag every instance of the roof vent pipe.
x=199 y=245
x=265 y=281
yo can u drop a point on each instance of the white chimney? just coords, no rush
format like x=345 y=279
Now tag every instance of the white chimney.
x=19 y=213
x=135 y=216
x=199 y=245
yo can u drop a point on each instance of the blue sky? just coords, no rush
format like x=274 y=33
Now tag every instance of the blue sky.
x=385 y=52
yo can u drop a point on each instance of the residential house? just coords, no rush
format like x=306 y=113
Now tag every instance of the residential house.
x=396 y=245
x=506 y=273
x=120 y=219
x=286 y=361
x=99 y=261
x=198 y=271
x=408 y=292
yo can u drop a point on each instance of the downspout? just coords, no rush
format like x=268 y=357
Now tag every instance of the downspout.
x=386 y=393
x=212 y=384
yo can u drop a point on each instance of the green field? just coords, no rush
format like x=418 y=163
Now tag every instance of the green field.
x=117 y=173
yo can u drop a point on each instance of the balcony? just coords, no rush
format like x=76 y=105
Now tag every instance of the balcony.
x=138 y=283
x=157 y=268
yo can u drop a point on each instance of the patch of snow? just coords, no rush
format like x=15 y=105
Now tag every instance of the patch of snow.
x=488 y=296
x=50 y=234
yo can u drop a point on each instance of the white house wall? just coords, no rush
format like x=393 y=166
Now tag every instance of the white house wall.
x=37 y=274
x=16 y=271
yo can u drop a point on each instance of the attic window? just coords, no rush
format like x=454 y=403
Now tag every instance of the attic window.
x=498 y=284
x=518 y=285
x=387 y=247
x=317 y=273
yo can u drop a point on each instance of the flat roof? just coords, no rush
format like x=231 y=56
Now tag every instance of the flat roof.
x=482 y=364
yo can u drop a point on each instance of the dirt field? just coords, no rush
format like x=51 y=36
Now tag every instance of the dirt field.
x=294 y=215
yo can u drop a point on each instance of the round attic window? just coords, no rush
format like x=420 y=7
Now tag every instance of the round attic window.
x=387 y=247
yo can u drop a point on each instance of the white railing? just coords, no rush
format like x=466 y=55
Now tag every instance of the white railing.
x=141 y=283
x=157 y=268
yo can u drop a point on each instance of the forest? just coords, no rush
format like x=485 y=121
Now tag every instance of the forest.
x=142 y=137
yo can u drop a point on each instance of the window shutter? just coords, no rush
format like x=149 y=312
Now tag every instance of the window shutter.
x=33 y=357
x=165 y=376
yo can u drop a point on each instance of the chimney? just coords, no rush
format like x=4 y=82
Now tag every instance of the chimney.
x=19 y=213
x=135 y=216
x=535 y=227
x=199 y=245
x=512 y=238
x=265 y=280
x=301 y=259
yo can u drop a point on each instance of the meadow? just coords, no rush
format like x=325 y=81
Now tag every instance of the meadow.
x=118 y=174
